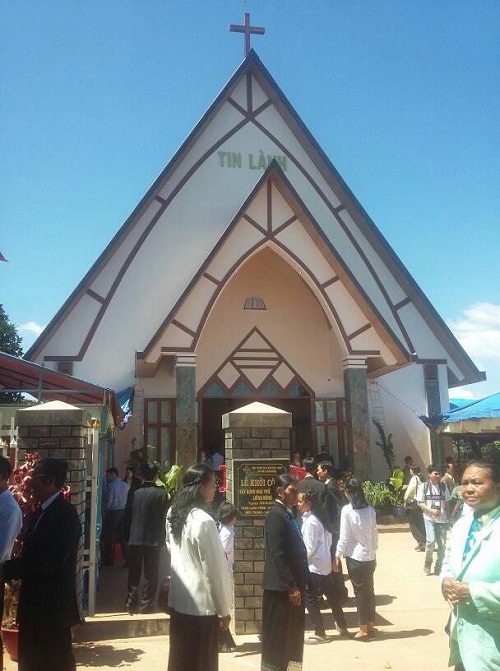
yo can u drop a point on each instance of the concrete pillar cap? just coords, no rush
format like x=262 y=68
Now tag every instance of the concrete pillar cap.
x=257 y=414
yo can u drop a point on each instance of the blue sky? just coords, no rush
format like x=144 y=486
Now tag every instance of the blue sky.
x=403 y=96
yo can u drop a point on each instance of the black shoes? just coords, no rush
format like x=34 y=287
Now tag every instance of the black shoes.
x=342 y=631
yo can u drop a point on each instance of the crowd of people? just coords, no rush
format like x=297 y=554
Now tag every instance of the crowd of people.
x=312 y=526
x=303 y=561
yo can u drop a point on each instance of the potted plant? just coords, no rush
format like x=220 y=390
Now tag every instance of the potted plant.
x=397 y=489
x=169 y=479
x=22 y=491
x=378 y=495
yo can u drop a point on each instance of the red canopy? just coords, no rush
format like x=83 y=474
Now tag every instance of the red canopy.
x=49 y=385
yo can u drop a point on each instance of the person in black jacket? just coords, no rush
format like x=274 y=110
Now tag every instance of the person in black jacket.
x=333 y=502
x=145 y=532
x=284 y=582
x=47 y=568
x=310 y=483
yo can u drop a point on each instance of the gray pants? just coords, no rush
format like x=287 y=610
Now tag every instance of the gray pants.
x=435 y=533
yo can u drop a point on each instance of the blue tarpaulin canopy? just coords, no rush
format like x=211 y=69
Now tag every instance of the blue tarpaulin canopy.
x=477 y=417
x=126 y=400
x=485 y=408
x=456 y=403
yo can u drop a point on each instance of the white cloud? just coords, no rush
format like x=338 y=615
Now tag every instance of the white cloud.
x=463 y=392
x=478 y=331
x=32 y=327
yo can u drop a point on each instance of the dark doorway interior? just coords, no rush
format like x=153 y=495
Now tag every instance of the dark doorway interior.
x=212 y=409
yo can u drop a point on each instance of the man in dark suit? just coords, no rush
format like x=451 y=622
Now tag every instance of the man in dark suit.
x=333 y=502
x=284 y=581
x=47 y=568
x=310 y=483
x=145 y=531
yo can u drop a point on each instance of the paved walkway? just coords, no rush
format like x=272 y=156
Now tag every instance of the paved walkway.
x=411 y=615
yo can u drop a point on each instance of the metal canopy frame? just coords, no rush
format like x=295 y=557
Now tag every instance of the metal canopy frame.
x=21 y=376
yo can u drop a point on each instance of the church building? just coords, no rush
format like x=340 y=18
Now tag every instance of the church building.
x=250 y=271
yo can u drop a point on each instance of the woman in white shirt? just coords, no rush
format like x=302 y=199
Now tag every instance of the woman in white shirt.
x=358 y=544
x=318 y=542
x=200 y=588
x=415 y=515
x=226 y=517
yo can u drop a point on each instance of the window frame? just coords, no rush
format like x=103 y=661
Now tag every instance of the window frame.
x=159 y=425
x=338 y=427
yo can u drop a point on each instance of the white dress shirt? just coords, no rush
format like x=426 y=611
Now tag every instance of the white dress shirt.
x=318 y=542
x=358 y=533
x=199 y=576
x=11 y=521
x=226 y=535
x=412 y=489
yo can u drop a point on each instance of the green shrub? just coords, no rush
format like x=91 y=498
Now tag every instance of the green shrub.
x=378 y=494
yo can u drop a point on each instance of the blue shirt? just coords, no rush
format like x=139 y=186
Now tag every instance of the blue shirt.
x=11 y=521
x=117 y=494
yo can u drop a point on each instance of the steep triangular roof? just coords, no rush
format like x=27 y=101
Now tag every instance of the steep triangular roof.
x=252 y=102
x=274 y=216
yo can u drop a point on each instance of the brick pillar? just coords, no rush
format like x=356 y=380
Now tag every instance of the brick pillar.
x=358 y=421
x=257 y=444
x=57 y=429
x=186 y=411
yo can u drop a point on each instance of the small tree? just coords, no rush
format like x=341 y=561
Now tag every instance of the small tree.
x=385 y=444
x=10 y=343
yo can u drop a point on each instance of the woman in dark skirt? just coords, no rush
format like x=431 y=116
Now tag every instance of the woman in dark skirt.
x=358 y=543
x=200 y=589
x=285 y=577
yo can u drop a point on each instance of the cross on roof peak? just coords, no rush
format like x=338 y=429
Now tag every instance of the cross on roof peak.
x=248 y=30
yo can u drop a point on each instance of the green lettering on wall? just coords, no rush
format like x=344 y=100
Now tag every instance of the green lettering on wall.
x=222 y=155
x=232 y=159
x=281 y=162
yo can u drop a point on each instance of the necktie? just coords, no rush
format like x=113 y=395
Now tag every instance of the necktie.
x=471 y=538
x=295 y=524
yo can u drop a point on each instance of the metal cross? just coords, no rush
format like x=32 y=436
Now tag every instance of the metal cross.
x=248 y=30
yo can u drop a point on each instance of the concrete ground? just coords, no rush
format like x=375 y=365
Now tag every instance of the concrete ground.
x=411 y=615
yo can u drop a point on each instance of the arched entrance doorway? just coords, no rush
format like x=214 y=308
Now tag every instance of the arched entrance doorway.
x=255 y=370
x=212 y=409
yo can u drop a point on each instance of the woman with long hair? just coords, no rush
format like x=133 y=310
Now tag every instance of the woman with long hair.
x=200 y=588
x=284 y=582
x=358 y=544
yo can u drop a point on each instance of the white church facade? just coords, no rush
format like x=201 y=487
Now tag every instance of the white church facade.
x=249 y=271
